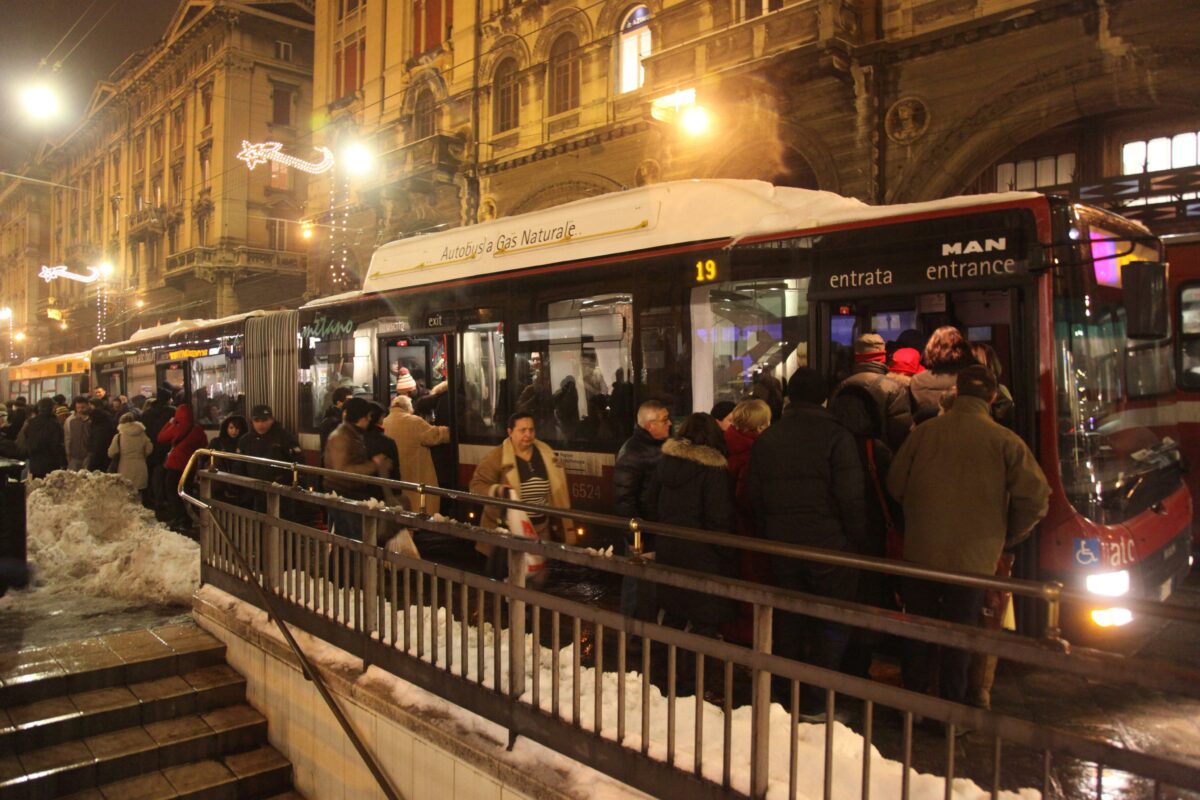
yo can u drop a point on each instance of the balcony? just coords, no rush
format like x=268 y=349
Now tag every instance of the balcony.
x=236 y=261
x=147 y=222
x=435 y=158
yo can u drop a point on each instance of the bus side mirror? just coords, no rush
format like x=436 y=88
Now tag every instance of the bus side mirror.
x=1145 y=285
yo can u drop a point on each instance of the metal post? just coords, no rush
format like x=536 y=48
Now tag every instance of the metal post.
x=206 y=533
x=273 y=546
x=421 y=494
x=1053 y=611
x=516 y=627
x=760 y=713
x=637 y=537
x=370 y=606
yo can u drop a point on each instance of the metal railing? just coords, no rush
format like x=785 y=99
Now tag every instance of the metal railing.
x=462 y=636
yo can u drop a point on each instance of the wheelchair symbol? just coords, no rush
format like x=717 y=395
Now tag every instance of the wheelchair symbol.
x=1088 y=552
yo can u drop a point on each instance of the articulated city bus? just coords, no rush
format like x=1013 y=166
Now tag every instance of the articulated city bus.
x=1183 y=262
x=46 y=377
x=204 y=363
x=694 y=292
x=691 y=291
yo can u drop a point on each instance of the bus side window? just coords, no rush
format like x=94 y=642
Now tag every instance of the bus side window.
x=748 y=337
x=569 y=365
x=482 y=406
x=666 y=357
x=1189 y=337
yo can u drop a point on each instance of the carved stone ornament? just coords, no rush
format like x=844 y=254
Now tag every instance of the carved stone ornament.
x=648 y=172
x=907 y=120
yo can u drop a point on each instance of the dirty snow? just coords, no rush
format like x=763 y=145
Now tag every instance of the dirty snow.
x=89 y=535
x=585 y=782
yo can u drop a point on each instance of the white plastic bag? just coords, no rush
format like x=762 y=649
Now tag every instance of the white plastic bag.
x=519 y=525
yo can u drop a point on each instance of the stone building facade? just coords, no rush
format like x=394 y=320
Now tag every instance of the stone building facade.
x=24 y=239
x=148 y=193
x=498 y=107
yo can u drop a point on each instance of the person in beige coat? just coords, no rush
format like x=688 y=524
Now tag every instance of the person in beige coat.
x=413 y=437
x=131 y=445
x=500 y=473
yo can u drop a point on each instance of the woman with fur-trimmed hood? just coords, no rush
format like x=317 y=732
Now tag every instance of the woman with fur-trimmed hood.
x=691 y=487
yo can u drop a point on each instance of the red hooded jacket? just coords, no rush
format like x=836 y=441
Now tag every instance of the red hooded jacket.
x=184 y=436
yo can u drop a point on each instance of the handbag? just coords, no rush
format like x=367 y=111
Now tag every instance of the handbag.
x=519 y=525
x=114 y=464
x=894 y=544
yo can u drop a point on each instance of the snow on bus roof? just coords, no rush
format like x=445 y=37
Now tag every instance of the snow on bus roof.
x=660 y=215
x=332 y=299
x=169 y=329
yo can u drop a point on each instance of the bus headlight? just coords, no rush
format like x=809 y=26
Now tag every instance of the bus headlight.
x=1112 y=617
x=1109 y=584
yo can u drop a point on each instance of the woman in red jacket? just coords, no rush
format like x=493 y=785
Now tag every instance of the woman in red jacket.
x=184 y=437
x=747 y=420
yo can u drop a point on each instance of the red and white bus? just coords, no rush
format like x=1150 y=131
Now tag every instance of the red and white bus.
x=691 y=291
x=1183 y=263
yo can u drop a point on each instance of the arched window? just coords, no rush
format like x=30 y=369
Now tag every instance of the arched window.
x=506 y=96
x=424 y=115
x=633 y=46
x=564 y=74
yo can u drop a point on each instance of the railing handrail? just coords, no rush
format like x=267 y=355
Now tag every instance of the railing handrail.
x=1052 y=592
x=1049 y=654
x=347 y=629
x=274 y=611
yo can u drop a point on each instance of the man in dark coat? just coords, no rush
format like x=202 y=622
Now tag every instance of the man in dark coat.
x=267 y=439
x=970 y=488
x=632 y=473
x=155 y=416
x=891 y=396
x=42 y=439
x=101 y=430
x=806 y=487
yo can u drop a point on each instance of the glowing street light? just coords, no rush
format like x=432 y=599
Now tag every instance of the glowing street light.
x=306 y=230
x=5 y=314
x=140 y=303
x=19 y=336
x=694 y=120
x=106 y=270
x=357 y=159
x=41 y=102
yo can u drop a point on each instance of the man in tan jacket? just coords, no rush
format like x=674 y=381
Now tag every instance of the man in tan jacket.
x=970 y=489
x=524 y=469
x=413 y=437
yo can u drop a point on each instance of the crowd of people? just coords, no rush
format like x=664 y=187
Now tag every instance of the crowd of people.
x=909 y=455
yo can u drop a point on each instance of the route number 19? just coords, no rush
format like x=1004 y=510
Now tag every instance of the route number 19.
x=706 y=270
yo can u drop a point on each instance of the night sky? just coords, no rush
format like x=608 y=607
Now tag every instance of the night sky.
x=29 y=30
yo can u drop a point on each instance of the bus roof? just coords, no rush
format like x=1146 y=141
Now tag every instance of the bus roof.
x=660 y=215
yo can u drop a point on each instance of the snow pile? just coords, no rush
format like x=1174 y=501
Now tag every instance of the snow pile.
x=89 y=534
x=847 y=745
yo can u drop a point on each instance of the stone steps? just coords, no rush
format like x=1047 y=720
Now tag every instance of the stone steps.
x=145 y=714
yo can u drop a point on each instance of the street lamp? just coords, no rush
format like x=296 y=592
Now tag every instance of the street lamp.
x=357 y=159
x=40 y=102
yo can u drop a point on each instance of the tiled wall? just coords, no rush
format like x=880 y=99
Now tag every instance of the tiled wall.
x=325 y=764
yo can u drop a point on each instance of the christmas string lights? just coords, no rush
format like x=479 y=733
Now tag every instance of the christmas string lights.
x=262 y=152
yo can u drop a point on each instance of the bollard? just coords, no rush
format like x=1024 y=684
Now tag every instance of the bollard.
x=516 y=627
x=760 y=712
x=273 y=534
x=370 y=588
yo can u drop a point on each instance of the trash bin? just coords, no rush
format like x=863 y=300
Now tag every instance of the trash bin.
x=14 y=571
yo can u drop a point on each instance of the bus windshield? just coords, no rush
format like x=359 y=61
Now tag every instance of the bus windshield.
x=1118 y=445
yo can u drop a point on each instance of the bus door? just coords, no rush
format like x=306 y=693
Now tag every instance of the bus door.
x=420 y=355
x=172 y=376
x=986 y=318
